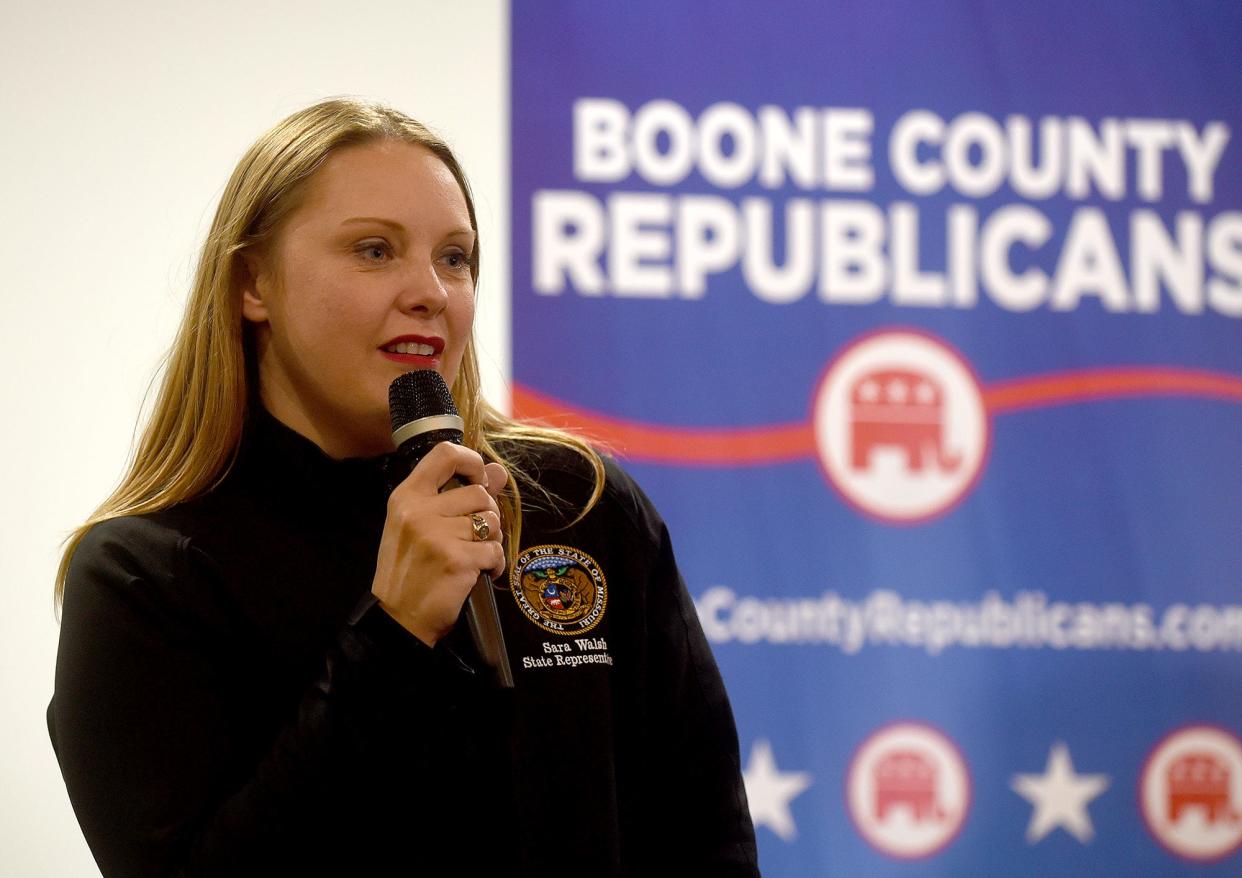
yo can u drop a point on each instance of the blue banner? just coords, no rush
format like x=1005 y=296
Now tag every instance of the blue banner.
x=921 y=323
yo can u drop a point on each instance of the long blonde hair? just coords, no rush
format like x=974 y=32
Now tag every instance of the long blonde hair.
x=191 y=439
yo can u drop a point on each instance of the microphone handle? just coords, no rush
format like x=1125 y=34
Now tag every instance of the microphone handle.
x=483 y=617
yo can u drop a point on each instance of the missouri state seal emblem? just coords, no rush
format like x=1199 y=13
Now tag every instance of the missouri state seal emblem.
x=559 y=588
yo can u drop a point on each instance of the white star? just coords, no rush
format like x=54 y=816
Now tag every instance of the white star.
x=770 y=791
x=1060 y=797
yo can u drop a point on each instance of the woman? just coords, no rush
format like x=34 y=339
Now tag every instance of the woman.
x=261 y=668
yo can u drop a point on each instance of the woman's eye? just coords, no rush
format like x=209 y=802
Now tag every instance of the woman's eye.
x=457 y=259
x=374 y=251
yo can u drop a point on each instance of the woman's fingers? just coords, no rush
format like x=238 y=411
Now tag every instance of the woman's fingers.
x=438 y=539
x=446 y=462
x=441 y=464
x=497 y=478
x=488 y=557
x=483 y=526
x=463 y=501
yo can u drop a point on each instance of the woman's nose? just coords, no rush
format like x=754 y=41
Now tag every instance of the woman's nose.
x=422 y=289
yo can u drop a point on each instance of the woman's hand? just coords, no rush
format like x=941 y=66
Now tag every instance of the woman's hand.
x=429 y=556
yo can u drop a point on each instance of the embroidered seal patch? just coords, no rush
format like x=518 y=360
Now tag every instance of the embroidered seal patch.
x=559 y=588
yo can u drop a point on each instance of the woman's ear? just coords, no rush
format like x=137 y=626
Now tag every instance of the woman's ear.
x=255 y=283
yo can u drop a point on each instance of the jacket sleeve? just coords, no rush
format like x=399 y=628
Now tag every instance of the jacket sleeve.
x=139 y=723
x=699 y=797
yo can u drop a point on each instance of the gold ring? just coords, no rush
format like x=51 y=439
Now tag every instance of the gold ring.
x=482 y=530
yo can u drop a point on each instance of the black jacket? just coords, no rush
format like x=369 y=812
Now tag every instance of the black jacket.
x=228 y=702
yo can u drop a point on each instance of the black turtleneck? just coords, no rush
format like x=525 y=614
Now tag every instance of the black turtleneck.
x=229 y=702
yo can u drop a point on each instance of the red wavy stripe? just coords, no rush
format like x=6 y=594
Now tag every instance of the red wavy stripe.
x=686 y=446
x=730 y=446
x=1069 y=387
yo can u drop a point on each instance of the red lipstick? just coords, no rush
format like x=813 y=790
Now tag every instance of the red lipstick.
x=413 y=350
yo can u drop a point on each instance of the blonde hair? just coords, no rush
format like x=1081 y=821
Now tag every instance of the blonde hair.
x=191 y=439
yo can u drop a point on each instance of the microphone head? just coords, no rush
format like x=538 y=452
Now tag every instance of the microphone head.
x=419 y=394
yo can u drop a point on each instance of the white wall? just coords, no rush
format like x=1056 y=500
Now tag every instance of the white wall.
x=120 y=124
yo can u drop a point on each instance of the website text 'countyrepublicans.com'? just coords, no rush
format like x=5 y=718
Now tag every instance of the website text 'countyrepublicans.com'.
x=1028 y=620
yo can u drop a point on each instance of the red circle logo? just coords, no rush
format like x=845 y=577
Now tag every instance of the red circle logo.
x=900 y=425
x=908 y=790
x=1190 y=793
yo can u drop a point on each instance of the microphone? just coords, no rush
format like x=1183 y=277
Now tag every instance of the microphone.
x=423 y=415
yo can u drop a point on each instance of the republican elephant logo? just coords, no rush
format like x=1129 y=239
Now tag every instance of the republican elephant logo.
x=1201 y=780
x=908 y=790
x=906 y=778
x=1189 y=792
x=903 y=409
x=901 y=426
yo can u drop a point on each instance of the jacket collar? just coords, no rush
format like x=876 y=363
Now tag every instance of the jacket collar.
x=287 y=462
